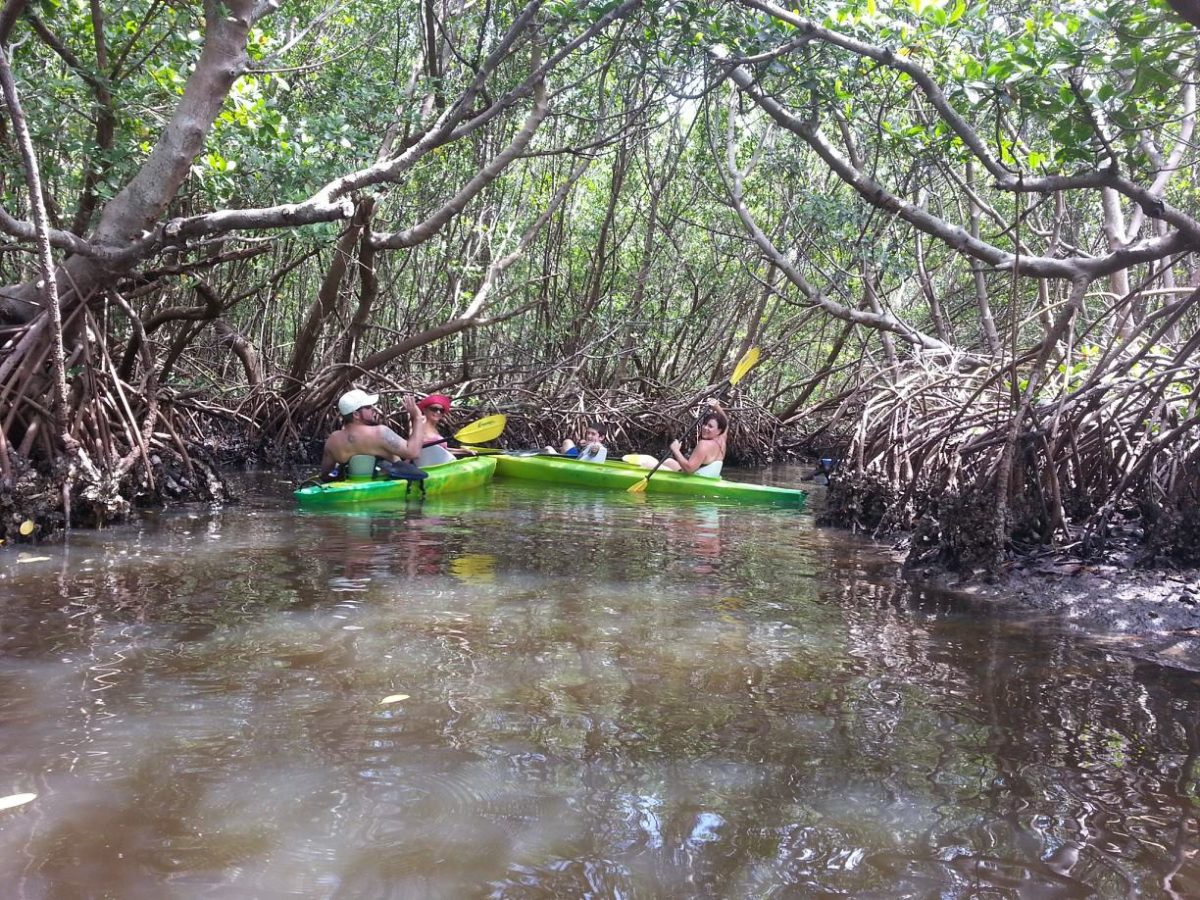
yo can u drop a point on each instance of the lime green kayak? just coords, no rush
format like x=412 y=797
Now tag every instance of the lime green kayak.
x=460 y=475
x=620 y=476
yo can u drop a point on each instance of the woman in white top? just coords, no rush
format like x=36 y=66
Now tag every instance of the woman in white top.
x=436 y=448
x=708 y=455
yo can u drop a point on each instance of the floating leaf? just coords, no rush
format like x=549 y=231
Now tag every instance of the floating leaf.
x=26 y=528
x=16 y=800
x=393 y=698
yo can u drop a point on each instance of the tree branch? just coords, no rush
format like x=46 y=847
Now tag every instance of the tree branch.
x=955 y=236
x=417 y=234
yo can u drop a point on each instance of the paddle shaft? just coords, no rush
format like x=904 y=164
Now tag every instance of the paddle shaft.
x=657 y=466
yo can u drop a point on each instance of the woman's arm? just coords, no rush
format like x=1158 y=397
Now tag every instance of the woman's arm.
x=700 y=455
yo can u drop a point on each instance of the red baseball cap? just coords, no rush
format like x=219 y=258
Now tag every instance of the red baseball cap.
x=435 y=400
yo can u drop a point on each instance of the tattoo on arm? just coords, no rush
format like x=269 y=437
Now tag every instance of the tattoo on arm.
x=416 y=437
x=394 y=443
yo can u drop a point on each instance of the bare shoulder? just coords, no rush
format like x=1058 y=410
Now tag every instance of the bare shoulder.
x=336 y=447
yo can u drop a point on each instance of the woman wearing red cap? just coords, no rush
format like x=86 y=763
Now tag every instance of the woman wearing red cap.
x=436 y=449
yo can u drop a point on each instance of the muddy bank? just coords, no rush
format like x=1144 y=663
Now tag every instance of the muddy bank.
x=1140 y=593
x=1150 y=613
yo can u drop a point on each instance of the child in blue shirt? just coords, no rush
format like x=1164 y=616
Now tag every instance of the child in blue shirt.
x=591 y=450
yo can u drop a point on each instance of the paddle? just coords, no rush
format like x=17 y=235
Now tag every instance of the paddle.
x=645 y=460
x=748 y=361
x=486 y=429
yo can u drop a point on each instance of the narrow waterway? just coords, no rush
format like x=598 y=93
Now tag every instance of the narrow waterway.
x=539 y=692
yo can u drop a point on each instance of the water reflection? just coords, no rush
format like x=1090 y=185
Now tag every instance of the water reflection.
x=606 y=695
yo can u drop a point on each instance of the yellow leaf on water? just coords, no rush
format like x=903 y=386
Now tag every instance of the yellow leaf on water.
x=26 y=528
x=24 y=559
x=16 y=800
x=393 y=698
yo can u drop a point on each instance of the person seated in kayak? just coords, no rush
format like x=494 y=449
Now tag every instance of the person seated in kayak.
x=709 y=453
x=364 y=438
x=592 y=449
x=436 y=448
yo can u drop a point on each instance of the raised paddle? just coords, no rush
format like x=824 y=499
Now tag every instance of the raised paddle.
x=486 y=429
x=748 y=361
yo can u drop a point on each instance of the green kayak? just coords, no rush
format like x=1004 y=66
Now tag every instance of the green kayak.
x=460 y=475
x=620 y=476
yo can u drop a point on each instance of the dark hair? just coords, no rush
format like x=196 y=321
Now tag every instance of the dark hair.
x=715 y=415
x=599 y=428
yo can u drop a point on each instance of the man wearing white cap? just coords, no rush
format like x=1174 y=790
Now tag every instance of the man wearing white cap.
x=364 y=434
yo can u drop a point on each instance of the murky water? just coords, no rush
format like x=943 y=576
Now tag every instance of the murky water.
x=587 y=695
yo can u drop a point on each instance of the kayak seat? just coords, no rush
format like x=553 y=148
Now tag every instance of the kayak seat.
x=361 y=465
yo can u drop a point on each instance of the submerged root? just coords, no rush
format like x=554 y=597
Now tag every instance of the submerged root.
x=33 y=506
x=34 y=509
x=861 y=501
x=959 y=533
x=1173 y=532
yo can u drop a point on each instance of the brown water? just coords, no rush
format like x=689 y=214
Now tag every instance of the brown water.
x=607 y=696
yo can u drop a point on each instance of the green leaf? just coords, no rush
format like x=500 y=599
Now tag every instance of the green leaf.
x=1001 y=69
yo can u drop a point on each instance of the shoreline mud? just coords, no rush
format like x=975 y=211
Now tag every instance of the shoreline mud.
x=1149 y=613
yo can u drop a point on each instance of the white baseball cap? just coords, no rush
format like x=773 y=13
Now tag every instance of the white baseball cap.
x=354 y=400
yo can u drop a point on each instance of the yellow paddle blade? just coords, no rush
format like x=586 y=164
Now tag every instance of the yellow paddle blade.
x=748 y=361
x=486 y=429
x=474 y=567
x=645 y=460
x=639 y=486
